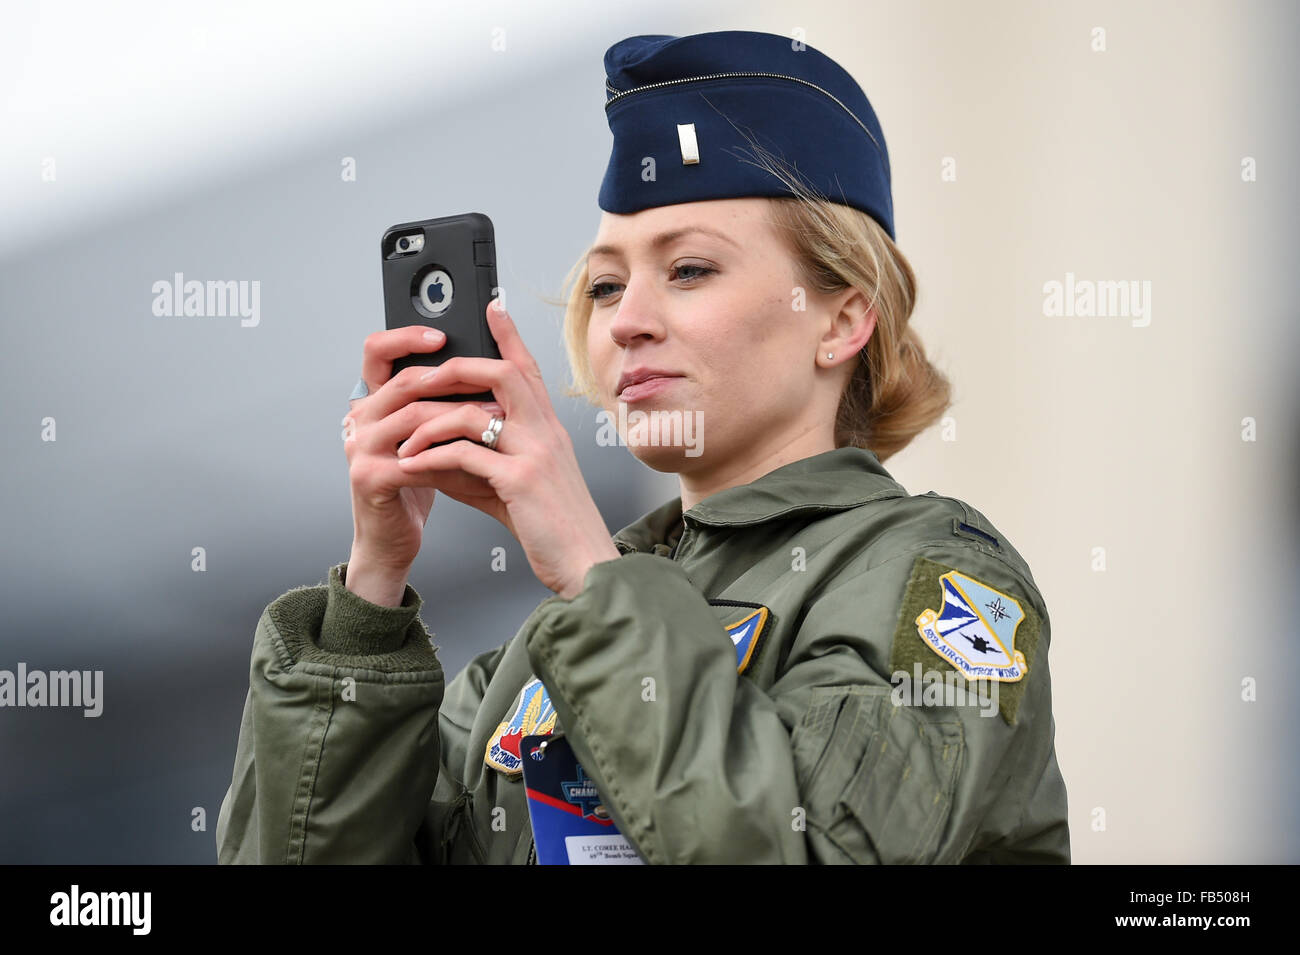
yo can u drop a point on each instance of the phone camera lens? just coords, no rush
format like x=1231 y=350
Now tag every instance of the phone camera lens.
x=403 y=243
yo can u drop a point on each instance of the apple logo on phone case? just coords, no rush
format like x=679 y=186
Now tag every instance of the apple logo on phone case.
x=433 y=292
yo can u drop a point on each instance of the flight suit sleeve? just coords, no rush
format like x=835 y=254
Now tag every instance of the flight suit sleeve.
x=340 y=743
x=698 y=765
x=908 y=762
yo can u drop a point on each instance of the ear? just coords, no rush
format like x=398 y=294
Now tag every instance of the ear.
x=852 y=326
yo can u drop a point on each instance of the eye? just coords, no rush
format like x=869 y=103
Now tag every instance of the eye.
x=592 y=294
x=700 y=270
x=694 y=274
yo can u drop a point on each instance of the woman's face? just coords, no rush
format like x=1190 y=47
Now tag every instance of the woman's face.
x=706 y=292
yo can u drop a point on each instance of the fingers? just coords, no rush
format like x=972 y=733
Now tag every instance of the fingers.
x=392 y=413
x=466 y=421
x=384 y=435
x=516 y=381
x=511 y=345
x=468 y=375
x=473 y=459
x=383 y=348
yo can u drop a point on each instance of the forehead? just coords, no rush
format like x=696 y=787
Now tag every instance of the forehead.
x=741 y=220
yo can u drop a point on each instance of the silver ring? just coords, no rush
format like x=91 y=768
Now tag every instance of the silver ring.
x=489 y=437
x=360 y=391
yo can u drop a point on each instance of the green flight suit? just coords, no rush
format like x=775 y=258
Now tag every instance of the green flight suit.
x=351 y=749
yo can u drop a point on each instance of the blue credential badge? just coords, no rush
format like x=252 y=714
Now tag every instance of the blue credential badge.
x=571 y=825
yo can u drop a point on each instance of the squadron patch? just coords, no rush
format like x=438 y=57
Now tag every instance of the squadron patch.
x=744 y=623
x=975 y=629
x=533 y=715
x=983 y=633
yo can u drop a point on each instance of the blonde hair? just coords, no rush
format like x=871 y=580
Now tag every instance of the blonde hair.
x=894 y=392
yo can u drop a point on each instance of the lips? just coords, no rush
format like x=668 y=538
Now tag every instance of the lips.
x=638 y=375
x=646 y=389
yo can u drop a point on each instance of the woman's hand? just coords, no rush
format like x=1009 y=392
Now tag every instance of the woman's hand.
x=531 y=482
x=388 y=514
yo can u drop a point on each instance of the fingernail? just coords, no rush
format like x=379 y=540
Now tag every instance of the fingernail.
x=494 y=409
x=433 y=335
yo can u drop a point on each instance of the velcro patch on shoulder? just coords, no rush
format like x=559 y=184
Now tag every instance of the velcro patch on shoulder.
x=951 y=620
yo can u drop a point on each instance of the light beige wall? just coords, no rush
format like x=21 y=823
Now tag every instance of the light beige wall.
x=1075 y=433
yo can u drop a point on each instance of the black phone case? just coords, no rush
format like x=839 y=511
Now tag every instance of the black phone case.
x=463 y=246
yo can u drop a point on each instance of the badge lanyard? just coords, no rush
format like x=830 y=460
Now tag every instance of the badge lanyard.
x=571 y=824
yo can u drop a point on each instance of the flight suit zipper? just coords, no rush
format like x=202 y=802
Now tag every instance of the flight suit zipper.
x=476 y=846
x=460 y=817
x=676 y=552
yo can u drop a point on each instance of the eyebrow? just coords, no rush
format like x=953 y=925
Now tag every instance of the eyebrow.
x=663 y=239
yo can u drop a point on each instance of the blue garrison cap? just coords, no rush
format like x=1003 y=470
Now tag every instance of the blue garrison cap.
x=698 y=105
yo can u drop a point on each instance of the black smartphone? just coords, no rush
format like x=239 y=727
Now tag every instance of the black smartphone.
x=442 y=273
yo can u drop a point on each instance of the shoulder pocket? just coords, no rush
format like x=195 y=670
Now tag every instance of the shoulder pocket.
x=877 y=778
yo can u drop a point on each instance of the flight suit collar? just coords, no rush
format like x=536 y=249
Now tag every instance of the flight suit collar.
x=833 y=480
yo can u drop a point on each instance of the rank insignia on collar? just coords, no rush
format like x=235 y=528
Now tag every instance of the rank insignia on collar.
x=975 y=629
x=533 y=715
x=744 y=623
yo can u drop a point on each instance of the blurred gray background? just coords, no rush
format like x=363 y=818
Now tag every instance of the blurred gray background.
x=148 y=139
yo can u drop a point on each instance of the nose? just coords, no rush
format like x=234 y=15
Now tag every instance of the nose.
x=637 y=315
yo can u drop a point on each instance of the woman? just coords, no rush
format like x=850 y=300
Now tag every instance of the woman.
x=793 y=661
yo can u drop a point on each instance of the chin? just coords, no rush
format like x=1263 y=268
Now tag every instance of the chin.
x=665 y=439
x=666 y=460
x=671 y=444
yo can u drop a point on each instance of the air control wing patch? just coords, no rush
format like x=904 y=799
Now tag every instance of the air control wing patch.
x=975 y=629
x=985 y=634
